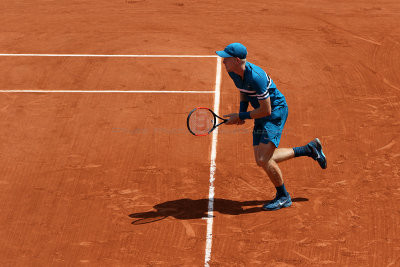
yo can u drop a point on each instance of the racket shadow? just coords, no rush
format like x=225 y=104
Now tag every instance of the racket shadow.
x=186 y=209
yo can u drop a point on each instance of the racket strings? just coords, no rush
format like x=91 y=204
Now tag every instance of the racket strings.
x=201 y=121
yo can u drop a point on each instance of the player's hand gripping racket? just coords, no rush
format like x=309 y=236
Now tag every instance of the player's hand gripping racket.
x=202 y=121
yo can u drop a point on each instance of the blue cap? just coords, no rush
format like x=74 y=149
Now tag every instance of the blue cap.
x=233 y=50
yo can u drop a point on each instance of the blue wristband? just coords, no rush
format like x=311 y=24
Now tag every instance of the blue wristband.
x=244 y=115
x=243 y=106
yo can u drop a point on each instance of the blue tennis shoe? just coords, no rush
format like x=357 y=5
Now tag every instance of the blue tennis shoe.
x=278 y=202
x=316 y=152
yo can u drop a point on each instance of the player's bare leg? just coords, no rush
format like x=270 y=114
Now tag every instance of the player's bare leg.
x=312 y=149
x=283 y=154
x=264 y=155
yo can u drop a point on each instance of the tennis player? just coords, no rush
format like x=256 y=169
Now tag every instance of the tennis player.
x=269 y=115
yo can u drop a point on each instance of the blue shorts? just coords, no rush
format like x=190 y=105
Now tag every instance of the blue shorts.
x=269 y=129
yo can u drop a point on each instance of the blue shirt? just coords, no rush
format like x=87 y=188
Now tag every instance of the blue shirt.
x=257 y=85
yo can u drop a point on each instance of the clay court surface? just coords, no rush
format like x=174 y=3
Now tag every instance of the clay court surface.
x=115 y=179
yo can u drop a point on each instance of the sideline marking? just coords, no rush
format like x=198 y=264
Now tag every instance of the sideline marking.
x=94 y=55
x=104 y=91
x=210 y=217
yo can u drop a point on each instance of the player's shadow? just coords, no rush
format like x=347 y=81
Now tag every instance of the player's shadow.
x=185 y=209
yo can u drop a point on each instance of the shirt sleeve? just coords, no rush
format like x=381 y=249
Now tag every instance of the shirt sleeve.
x=261 y=86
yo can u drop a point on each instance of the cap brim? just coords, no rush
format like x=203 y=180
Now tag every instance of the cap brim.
x=222 y=54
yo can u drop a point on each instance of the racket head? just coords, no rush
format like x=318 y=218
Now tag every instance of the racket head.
x=201 y=121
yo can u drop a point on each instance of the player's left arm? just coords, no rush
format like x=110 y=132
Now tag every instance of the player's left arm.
x=261 y=87
x=263 y=110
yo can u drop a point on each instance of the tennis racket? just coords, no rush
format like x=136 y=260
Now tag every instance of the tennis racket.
x=202 y=121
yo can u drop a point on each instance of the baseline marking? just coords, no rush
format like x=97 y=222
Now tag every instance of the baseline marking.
x=210 y=217
x=94 y=55
x=105 y=91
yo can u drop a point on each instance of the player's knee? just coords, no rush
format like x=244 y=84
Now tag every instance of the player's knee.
x=263 y=161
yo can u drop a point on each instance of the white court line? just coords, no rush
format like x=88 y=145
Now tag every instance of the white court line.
x=210 y=217
x=94 y=55
x=106 y=91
